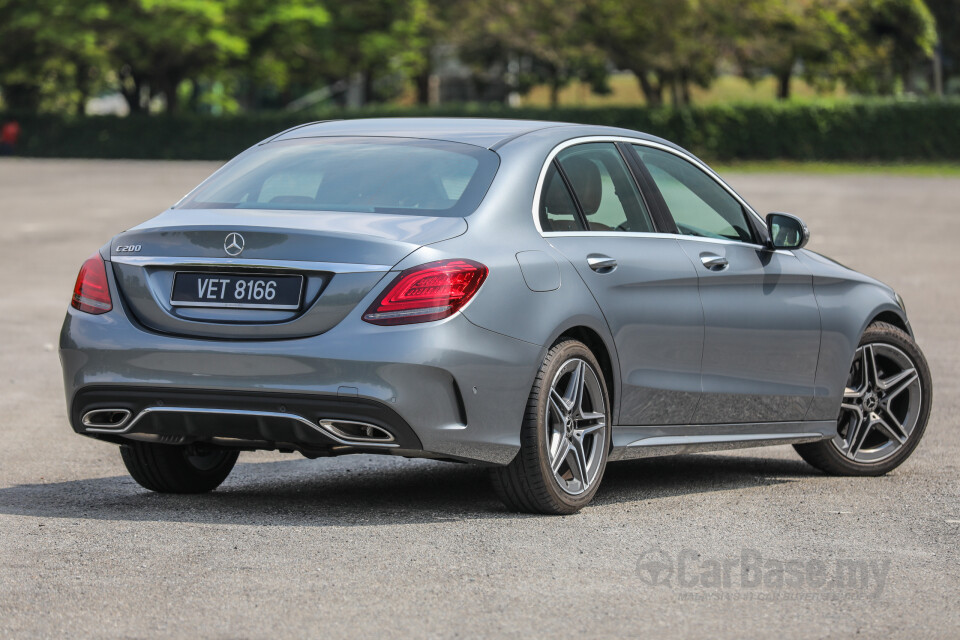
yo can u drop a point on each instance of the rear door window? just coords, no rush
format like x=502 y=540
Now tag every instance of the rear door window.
x=604 y=187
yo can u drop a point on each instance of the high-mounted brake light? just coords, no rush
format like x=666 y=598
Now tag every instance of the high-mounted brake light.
x=428 y=292
x=91 y=293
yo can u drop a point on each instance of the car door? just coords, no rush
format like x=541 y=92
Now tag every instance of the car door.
x=592 y=211
x=762 y=323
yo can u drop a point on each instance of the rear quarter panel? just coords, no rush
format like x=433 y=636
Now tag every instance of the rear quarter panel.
x=501 y=228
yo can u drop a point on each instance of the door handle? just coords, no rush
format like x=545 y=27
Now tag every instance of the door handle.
x=713 y=262
x=601 y=263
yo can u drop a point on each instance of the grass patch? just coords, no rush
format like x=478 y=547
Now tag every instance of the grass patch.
x=625 y=92
x=931 y=169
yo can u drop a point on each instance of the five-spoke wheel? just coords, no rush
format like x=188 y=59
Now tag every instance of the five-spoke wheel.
x=576 y=421
x=884 y=409
x=881 y=404
x=565 y=436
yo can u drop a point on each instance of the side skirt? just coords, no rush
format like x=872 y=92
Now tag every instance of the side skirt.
x=631 y=442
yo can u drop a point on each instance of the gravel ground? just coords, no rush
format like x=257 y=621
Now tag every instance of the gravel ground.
x=362 y=546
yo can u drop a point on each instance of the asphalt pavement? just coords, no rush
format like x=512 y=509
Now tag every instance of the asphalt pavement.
x=749 y=543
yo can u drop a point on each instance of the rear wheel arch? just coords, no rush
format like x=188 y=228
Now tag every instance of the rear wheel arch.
x=604 y=355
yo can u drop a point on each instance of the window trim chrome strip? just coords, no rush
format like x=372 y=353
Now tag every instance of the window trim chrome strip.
x=292 y=265
x=654 y=235
x=645 y=143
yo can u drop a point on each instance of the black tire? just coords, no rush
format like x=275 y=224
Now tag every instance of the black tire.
x=168 y=468
x=528 y=483
x=825 y=454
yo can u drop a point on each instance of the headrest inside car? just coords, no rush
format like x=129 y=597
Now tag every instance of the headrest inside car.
x=584 y=176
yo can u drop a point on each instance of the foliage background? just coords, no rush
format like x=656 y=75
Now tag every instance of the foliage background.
x=206 y=78
x=871 y=130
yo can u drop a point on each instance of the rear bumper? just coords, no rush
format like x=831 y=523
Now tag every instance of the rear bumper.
x=310 y=424
x=444 y=389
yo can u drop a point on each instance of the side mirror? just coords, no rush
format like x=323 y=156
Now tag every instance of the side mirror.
x=786 y=231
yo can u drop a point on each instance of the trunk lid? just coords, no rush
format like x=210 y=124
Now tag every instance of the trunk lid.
x=340 y=256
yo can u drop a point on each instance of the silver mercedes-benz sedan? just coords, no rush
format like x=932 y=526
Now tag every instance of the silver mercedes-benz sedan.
x=538 y=297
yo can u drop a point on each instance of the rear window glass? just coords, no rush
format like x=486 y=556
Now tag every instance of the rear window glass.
x=369 y=175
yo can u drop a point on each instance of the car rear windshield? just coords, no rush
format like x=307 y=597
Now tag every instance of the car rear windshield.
x=368 y=175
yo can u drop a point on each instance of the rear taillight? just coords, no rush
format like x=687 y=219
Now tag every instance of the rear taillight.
x=92 y=291
x=429 y=292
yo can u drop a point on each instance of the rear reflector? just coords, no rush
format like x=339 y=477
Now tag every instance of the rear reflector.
x=91 y=293
x=428 y=292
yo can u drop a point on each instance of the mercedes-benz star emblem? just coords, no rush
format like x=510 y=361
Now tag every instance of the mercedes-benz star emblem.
x=233 y=244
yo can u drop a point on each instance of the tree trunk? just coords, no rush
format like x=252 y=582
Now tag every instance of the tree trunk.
x=133 y=94
x=368 y=94
x=685 y=88
x=169 y=87
x=82 y=80
x=554 y=92
x=674 y=91
x=193 y=102
x=353 y=97
x=81 y=105
x=783 y=82
x=937 y=82
x=652 y=92
x=249 y=100
x=132 y=98
x=422 y=82
x=906 y=78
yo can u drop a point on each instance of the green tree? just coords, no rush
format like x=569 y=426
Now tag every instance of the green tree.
x=288 y=47
x=667 y=44
x=868 y=44
x=394 y=41
x=417 y=30
x=778 y=36
x=155 y=45
x=901 y=32
x=544 y=41
x=49 y=55
x=947 y=15
x=367 y=38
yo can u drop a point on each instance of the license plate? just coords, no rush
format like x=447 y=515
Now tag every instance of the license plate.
x=236 y=291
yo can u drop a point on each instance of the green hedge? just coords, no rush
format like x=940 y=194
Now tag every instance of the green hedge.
x=881 y=131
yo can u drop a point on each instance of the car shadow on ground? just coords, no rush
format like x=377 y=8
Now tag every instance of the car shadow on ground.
x=376 y=491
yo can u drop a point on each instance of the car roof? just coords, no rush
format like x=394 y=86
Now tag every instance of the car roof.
x=482 y=132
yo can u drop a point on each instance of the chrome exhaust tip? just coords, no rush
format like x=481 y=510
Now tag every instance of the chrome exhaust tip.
x=106 y=418
x=352 y=431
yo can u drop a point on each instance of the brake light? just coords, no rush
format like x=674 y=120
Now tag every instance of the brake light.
x=428 y=292
x=91 y=293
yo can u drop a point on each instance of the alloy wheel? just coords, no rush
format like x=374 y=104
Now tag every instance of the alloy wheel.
x=881 y=404
x=576 y=426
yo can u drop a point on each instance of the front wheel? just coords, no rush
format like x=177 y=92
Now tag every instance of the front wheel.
x=565 y=437
x=885 y=407
x=166 y=468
